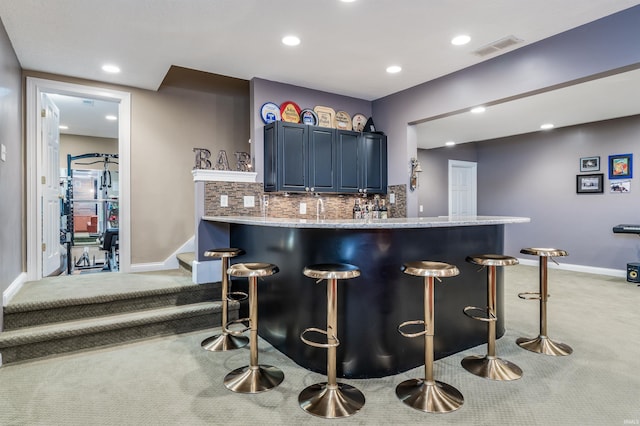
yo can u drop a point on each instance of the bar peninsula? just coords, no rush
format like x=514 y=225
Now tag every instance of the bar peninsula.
x=370 y=307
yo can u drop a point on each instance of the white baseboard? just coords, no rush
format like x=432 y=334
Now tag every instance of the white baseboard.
x=622 y=273
x=13 y=288
x=170 y=262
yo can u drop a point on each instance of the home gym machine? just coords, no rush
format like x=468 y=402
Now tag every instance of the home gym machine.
x=106 y=226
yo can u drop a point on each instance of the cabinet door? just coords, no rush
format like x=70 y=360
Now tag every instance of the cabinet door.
x=270 y=156
x=321 y=160
x=292 y=156
x=348 y=174
x=373 y=160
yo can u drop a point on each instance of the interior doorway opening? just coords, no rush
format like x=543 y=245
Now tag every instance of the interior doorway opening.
x=39 y=224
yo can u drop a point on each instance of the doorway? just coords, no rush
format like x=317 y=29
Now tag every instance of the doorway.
x=463 y=188
x=38 y=220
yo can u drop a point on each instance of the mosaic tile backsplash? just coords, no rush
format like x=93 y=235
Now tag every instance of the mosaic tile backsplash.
x=336 y=206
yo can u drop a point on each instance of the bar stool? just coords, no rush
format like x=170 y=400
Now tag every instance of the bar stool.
x=427 y=394
x=253 y=378
x=225 y=341
x=330 y=399
x=542 y=344
x=490 y=366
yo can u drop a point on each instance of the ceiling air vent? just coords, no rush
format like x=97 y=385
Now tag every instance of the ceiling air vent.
x=497 y=46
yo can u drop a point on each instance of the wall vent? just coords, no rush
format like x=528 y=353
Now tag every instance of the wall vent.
x=497 y=46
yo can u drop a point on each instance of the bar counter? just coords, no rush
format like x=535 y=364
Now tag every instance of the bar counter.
x=370 y=307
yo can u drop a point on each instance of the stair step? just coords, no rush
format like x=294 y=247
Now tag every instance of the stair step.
x=185 y=261
x=29 y=314
x=40 y=341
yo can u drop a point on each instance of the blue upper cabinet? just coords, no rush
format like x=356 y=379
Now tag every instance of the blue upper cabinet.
x=362 y=162
x=302 y=158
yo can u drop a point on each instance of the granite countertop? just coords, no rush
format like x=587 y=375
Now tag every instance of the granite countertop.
x=414 y=222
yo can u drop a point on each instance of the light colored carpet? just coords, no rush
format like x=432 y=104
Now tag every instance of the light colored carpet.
x=172 y=381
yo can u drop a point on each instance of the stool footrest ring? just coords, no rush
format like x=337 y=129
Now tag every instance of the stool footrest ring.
x=316 y=344
x=236 y=333
x=413 y=322
x=489 y=316
x=237 y=296
x=531 y=295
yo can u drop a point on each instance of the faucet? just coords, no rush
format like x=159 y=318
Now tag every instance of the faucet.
x=319 y=208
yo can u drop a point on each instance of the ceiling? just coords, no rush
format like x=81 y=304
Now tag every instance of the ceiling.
x=345 y=47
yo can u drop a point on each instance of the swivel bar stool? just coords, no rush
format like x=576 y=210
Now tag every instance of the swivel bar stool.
x=253 y=378
x=225 y=341
x=330 y=399
x=542 y=344
x=427 y=394
x=490 y=366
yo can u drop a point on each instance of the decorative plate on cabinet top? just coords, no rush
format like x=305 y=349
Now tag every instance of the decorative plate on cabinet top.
x=342 y=121
x=326 y=116
x=358 y=122
x=270 y=112
x=307 y=116
x=290 y=112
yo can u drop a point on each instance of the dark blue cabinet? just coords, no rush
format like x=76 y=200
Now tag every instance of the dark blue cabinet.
x=299 y=158
x=362 y=162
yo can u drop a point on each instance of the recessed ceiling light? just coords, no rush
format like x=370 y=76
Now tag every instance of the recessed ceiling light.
x=113 y=69
x=347 y=1
x=460 y=40
x=450 y=143
x=290 y=40
x=111 y=117
x=63 y=127
x=478 y=110
x=546 y=126
x=393 y=69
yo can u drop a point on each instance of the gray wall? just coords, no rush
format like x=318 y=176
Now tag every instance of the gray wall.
x=12 y=249
x=534 y=175
x=585 y=52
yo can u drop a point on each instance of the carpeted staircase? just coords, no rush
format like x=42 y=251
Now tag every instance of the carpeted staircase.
x=105 y=309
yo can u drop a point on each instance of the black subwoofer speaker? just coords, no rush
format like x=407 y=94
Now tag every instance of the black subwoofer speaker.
x=633 y=272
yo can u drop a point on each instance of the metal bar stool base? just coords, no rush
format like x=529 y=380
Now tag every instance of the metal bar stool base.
x=432 y=397
x=224 y=342
x=493 y=368
x=331 y=403
x=544 y=345
x=257 y=379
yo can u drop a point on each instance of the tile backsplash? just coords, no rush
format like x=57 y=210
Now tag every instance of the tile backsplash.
x=336 y=206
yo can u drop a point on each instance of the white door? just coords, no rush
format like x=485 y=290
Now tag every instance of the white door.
x=462 y=188
x=50 y=181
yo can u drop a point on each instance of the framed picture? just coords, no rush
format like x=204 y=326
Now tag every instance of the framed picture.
x=590 y=184
x=621 y=166
x=590 y=164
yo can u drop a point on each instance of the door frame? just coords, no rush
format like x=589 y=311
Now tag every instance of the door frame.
x=34 y=89
x=474 y=193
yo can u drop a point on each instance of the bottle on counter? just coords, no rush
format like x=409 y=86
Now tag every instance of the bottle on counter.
x=357 y=211
x=384 y=213
x=375 y=214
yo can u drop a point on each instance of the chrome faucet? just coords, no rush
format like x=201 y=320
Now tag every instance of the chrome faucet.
x=319 y=208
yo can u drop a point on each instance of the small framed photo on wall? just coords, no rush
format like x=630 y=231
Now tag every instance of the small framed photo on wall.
x=590 y=164
x=621 y=166
x=590 y=184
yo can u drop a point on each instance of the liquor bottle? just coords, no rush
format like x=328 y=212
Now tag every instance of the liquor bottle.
x=376 y=208
x=384 y=213
x=357 y=211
